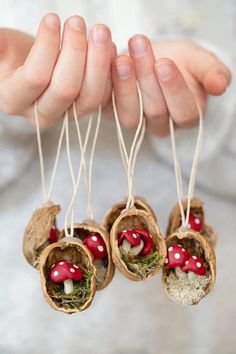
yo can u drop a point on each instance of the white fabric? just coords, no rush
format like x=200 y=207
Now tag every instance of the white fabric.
x=127 y=317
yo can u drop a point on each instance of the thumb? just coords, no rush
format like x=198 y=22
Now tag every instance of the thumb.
x=209 y=71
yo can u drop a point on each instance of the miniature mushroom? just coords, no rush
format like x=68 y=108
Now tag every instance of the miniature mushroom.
x=53 y=235
x=194 y=265
x=66 y=272
x=96 y=245
x=130 y=242
x=195 y=222
x=147 y=239
x=177 y=255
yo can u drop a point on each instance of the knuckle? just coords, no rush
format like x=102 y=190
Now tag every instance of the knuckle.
x=65 y=93
x=36 y=80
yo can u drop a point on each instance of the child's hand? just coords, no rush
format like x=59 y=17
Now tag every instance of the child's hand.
x=169 y=86
x=55 y=71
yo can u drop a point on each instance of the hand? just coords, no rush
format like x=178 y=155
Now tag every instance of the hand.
x=172 y=75
x=53 y=71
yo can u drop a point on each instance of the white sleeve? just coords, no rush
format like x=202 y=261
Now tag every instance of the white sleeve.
x=218 y=154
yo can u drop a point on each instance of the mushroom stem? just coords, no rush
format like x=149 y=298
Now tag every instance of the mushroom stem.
x=190 y=275
x=179 y=273
x=68 y=286
x=132 y=251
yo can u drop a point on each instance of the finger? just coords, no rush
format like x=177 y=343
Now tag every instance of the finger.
x=108 y=89
x=68 y=73
x=210 y=71
x=155 y=108
x=180 y=101
x=125 y=89
x=97 y=70
x=30 y=80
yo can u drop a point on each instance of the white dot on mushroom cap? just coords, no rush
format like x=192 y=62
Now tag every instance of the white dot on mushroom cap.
x=53 y=266
x=183 y=250
x=197 y=221
x=75 y=266
x=55 y=273
x=187 y=262
x=194 y=257
x=94 y=238
x=72 y=270
x=61 y=263
x=134 y=235
x=177 y=256
x=166 y=261
x=198 y=264
x=170 y=249
x=100 y=248
x=124 y=230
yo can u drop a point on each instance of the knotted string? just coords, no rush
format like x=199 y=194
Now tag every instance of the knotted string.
x=88 y=177
x=178 y=172
x=129 y=161
x=47 y=197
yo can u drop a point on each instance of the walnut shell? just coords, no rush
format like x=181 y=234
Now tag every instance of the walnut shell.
x=80 y=232
x=196 y=207
x=37 y=232
x=135 y=218
x=71 y=249
x=198 y=246
x=115 y=211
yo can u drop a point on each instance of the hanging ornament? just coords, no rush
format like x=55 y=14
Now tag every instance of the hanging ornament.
x=189 y=270
x=138 y=249
x=196 y=220
x=41 y=229
x=68 y=275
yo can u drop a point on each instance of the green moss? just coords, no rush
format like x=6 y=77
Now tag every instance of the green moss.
x=142 y=266
x=76 y=299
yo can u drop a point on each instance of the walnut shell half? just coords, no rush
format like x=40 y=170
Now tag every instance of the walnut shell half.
x=105 y=268
x=36 y=236
x=131 y=219
x=70 y=249
x=196 y=208
x=183 y=290
x=115 y=211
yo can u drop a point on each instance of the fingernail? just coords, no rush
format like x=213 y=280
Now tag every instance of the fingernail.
x=164 y=71
x=138 y=46
x=77 y=23
x=100 y=35
x=52 y=21
x=123 y=70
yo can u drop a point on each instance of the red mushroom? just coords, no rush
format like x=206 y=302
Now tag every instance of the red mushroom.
x=194 y=265
x=147 y=239
x=96 y=245
x=66 y=272
x=53 y=235
x=130 y=242
x=195 y=222
x=177 y=255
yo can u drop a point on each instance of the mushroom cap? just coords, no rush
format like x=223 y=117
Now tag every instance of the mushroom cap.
x=147 y=239
x=131 y=236
x=53 y=235
x=195 y=265
x=195 y=222
x=96 y=245
x=63 y=270
x=177 y=255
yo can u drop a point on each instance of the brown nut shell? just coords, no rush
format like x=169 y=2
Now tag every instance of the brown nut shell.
x=197 y=246
x=83 y=230
x=130 y=219
x=197 y=207
x=37 y=232
x=115 y=211
x=70 y=249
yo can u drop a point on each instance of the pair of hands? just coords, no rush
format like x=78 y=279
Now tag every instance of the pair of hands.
x=57 y=71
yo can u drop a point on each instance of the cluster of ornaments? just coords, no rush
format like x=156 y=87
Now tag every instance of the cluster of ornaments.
x=72 y=269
